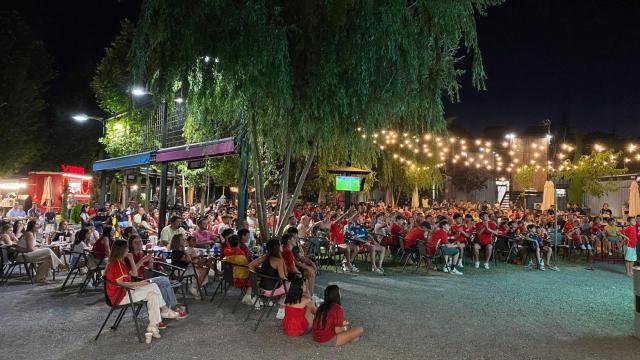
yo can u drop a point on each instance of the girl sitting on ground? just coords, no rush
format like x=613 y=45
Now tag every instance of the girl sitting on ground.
x=118 y=272
x=299 y=310
x=329 y=327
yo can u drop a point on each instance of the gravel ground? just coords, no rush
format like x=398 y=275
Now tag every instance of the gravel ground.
x=504 y=313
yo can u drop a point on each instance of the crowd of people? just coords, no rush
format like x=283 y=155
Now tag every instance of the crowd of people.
x=443 y=233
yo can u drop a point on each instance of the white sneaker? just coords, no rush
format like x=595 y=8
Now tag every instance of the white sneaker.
x=247 y=300
x=460 y=265
x=476 y=264
x=455 y=271
x=170 y=314
x=280 y=313
x=354 y=268
x=582 y=247
x=154 y=331
x=589 y=247
x=486 y=266
x=445 y=269
x=345 y=268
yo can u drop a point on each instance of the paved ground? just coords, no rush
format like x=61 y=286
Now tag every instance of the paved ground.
x=505 y=313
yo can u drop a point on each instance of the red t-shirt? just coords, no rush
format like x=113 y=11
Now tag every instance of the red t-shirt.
x=327 y=332
x=289 y=260
x=568 y=227
x=632 y=234
x=395 y=229
x=116 y=271
x=336 y=231
x=413 y=236
x=437 y=236
x=484 y=238
x=595 y=228
x=455 y=233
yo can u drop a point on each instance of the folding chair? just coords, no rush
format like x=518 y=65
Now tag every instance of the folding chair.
x=134 y=306
x=93 y=274
x=13 y=257
x=226 y=282
x=334 y=252
x=75 y=267
x=269 y=298
x=177 y=276
x=407 y=253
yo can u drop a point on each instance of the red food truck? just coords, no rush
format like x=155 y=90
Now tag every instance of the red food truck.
x=46 y=187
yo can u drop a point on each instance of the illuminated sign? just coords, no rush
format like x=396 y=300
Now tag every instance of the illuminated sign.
x=72 y=169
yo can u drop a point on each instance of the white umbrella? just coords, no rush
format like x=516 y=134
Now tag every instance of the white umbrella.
x=47 y=193
x=634 y=199
x=548 y=196
x=415 y=198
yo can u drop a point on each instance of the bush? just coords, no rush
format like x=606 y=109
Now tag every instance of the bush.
x=75 y=213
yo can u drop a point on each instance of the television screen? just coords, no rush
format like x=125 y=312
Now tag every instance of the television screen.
x=347 y=183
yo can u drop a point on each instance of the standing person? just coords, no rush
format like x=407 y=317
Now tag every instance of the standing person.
x=329 y=326
x=174 y=228
x=630 y=234
x=299 y=308
x=118 y=272
x=485 y=232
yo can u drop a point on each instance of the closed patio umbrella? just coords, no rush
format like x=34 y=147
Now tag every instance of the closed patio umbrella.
x=548 y=198
x=47 y=193
x=634 y=199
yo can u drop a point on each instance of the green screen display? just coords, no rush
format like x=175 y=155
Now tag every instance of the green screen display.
x=347 y=183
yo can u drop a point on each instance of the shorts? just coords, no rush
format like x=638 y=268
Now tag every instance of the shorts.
x=331 y=343
x=613 y=239
x=447 y=251
x=630 y=254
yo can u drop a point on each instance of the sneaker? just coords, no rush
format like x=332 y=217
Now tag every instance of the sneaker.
x=280 y=313
x=582 y=247
x=460 y=265
x=486 y=266
x=377 y=271
x=554 y=268
x=182 y=315
x=455 y=271
x=162 y=326
x=170 y=314
x=381 y=270
x=154 y=331
x=541 y=268
x=609 y=253
x=247 y=300
x=589 y=247
x=354 y=269
x=445 y=269
x=258 y=305
x=476 y=264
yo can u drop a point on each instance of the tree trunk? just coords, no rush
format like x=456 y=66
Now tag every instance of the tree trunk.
x=298 y=189
x=284 y=185
x=258 y=182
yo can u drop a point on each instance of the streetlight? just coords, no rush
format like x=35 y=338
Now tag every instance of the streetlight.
x=138 y=91
x=85 y=117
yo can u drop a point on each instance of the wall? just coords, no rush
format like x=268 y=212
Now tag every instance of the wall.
x=616 y=199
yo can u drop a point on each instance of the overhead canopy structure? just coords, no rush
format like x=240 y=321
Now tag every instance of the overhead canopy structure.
x=124 y=162
x=349 y=170
x=216 y=148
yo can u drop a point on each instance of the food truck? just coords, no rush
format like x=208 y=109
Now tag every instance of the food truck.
x=46 y=188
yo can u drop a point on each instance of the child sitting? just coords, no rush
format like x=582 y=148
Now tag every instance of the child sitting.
x=535 y=243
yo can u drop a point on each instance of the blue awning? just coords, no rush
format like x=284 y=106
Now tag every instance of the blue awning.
x=124 y=162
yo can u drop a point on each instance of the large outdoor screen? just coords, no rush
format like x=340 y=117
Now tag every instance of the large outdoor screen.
x=347 y=183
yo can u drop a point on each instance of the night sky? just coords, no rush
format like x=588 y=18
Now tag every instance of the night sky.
x=543 y=59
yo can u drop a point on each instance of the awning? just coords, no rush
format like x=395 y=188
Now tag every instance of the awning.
x=216 y=148
x=124 y=162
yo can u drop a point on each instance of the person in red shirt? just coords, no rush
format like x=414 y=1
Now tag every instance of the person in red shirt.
x=484 y=239
x=336 y=235
x=438 y=245
x=630 y=243
x=288 y=242
x=461 y=235
x=118 y=272
x=597 y=234
x=417 y=233
x=329 y=326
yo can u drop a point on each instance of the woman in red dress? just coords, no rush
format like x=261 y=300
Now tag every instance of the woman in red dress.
x=299 y=310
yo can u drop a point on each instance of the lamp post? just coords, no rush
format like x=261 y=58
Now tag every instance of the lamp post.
x=81 y=118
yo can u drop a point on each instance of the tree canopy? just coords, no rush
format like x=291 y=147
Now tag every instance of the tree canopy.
x=302 y=75
x=588 y=171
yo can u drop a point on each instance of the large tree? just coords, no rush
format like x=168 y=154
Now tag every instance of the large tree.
x=300 y=76
x=25 y=71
